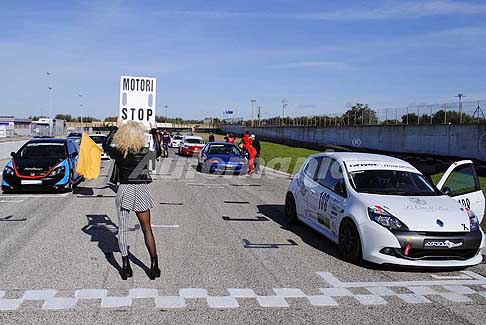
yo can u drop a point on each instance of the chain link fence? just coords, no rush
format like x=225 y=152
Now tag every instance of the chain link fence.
x=467 y=112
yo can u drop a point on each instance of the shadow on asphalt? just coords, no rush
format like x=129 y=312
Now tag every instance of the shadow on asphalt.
x=88 y=191
x=103 y=231
x=313 y=238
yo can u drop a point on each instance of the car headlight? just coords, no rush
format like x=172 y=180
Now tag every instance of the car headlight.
x=385 y=219
x=8 y=171
x=473 y=220
x=58 y=170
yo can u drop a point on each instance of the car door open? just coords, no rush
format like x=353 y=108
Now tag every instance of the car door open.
x=461 y=182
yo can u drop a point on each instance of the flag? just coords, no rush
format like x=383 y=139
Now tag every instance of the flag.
x=89 y=160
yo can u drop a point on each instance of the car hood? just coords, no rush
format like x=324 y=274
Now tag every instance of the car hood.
x=35 y=166
x=424 y=213
x=226 y=158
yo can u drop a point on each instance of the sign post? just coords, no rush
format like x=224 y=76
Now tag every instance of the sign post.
x=137 y=99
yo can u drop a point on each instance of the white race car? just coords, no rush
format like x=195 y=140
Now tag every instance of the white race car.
x=176 y=141
x=383 y=210
x=99 y=139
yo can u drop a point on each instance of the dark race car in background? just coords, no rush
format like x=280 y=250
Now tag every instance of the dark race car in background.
x=221 y=157
x=42 y=164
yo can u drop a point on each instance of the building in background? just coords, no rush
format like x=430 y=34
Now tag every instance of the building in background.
x=10 y=126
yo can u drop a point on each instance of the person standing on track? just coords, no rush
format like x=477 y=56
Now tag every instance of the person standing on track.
x=247 y=145
x=256 y=144
x=165 y=142
x=211 y=137
x=132 y=156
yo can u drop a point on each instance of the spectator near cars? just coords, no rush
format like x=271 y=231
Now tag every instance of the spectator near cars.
x=247 y=145
x=256 y=144
x=211 y=137
x=166 y=140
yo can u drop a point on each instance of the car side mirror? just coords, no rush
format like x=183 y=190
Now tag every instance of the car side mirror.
x=447 y=191
x=12 y=154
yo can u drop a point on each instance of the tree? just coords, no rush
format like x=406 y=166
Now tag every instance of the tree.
x=111 y=119
x=359 y=114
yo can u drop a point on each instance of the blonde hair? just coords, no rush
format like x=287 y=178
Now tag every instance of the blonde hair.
x=130 y=138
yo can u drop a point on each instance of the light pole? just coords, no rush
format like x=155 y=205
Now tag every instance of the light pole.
x=284 y=105
x=460 y=107
x=49 y=86
x=81 y=108
x=166 y=113
x=253 y=101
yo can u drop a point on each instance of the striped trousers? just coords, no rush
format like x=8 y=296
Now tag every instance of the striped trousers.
x=123 y=230
x=130 y=197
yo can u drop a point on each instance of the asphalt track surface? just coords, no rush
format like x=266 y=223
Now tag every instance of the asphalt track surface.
x=226 y=253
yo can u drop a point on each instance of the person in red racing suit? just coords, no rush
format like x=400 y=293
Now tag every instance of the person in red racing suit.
x=247 y=145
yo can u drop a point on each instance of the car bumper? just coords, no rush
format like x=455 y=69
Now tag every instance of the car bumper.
x=49 y=182
x=190 y=152
x=222 y=168
x=381 y=246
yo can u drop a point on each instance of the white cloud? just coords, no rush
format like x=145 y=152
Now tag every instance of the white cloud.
x=329 y=65
x=391 y=10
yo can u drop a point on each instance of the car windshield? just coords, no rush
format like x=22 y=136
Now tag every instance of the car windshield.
x=177 y=137
x=194 y=141
x=224 y=149
x=392 y=182
x=39 y=150
x=99 y=139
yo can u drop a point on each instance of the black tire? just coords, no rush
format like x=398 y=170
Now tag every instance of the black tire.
x=349 y=241
x=199 y=167
x=290 y=209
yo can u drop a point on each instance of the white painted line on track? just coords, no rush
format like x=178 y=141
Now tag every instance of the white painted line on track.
x=455 y=277
x=165 y=226
x=40 y=196
x=475 y=279
x=11 y=201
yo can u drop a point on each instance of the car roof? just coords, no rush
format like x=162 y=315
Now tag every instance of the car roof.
x=192 y=137
x=360 y=156
x=48 y=140
x=220 y=143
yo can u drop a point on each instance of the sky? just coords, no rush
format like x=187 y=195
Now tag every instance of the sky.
x=210 y=56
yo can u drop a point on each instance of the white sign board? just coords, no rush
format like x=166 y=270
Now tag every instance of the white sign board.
x=137 y=99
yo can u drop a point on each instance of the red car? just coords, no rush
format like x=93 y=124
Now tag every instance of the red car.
x=191 y=145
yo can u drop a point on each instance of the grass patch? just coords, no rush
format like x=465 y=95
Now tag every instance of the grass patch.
x=277 y=156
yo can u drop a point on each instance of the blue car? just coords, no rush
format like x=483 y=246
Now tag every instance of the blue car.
x=221 y=157
x=43 y=163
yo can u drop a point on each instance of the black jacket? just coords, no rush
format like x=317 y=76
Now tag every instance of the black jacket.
x=256 y=145
x=132 y=169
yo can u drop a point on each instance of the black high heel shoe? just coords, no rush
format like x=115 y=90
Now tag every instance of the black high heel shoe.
x=126 y=271
x=154 y=268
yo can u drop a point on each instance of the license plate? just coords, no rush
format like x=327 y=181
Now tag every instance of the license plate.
x=443 y=243
x=30 y=181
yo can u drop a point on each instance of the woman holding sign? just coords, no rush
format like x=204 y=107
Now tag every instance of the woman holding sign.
x=132 y=154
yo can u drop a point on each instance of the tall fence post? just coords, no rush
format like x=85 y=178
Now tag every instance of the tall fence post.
x=407 y=116
x=445 y=113
x=418 y=114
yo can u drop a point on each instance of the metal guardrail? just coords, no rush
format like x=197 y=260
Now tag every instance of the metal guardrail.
x=471 y=112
